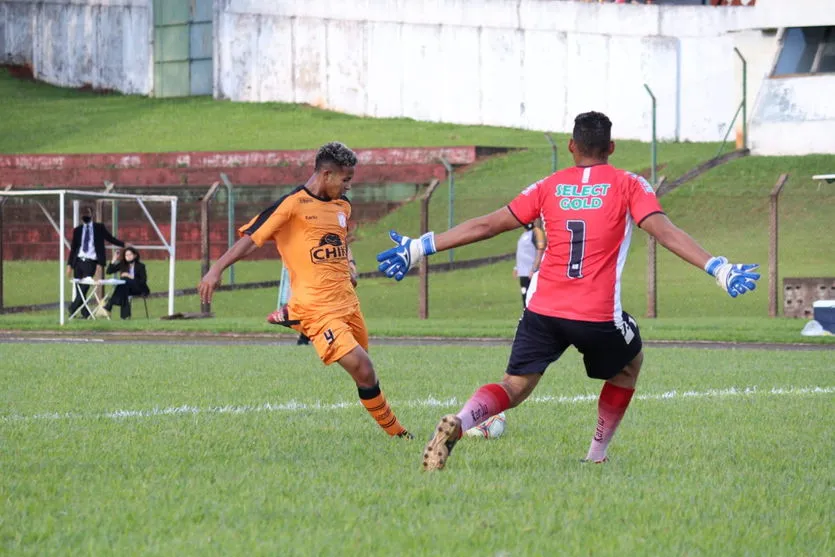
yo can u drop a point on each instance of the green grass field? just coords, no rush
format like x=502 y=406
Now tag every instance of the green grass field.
x=260 y=450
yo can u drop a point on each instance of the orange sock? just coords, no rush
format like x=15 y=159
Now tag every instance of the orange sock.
x=375 y=402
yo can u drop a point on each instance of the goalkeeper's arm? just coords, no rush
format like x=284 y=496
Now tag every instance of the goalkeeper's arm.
x=396 y=262
x=477 y=229
x=733 y=279
x=675 y=239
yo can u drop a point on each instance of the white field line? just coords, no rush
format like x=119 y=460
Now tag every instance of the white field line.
x=431 y=402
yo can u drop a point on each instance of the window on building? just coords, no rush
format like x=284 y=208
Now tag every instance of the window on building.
x=806 y=50
x=826 y=62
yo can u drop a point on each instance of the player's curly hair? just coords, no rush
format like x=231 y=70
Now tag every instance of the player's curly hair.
x=592 y=133
x=335 y=153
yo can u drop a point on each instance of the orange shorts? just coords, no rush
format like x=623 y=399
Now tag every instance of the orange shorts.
x=334 y=335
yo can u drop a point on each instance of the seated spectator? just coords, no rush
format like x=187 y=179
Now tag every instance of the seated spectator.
x=132 y=271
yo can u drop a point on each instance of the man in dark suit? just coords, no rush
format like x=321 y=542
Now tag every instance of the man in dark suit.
x=87 y=253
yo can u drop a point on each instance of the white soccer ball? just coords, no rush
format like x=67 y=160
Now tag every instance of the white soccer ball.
x=491 y=428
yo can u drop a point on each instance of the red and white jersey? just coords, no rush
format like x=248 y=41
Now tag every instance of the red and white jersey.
x=588 y=213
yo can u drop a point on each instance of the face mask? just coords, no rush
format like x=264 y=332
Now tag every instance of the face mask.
x=86 y=219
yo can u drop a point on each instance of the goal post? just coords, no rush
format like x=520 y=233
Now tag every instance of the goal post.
x=168 y=245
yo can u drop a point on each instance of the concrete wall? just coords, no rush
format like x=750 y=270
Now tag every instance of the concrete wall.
x=791 y=115
x=17 y=26
x=104 y=44
x=760 y=50
x=794 y=116
x=525 y=63
x=788 y=13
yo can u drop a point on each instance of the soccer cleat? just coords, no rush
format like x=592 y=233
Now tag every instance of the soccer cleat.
x=276 y=318
x=446 y=436
x=589 y=461
x=281 y=317
x=405 y=435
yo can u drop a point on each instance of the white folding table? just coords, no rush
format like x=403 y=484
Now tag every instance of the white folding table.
x=92 y=294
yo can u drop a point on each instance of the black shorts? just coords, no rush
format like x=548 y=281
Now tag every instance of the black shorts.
x=606 y=348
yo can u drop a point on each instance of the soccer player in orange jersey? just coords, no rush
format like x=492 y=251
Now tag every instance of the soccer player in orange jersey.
x=309 y=227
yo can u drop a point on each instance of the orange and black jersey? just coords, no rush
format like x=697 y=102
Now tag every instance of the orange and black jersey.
x=310 y=234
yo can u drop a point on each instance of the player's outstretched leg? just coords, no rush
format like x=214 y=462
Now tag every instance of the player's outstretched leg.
x=487 y=401
x=611 y=406
x=446 y=436
x=375 y=402
x=359 y=366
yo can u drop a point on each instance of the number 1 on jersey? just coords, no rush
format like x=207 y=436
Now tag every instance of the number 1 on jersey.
x=578 y=247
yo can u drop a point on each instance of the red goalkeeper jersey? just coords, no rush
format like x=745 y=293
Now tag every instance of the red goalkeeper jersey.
x=588 y=214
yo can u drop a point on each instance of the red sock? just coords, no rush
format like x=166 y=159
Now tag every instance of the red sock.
x=487 y=401
x=611 y=407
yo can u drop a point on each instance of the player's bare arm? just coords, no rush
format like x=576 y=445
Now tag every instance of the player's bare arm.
x=352 y=267
x=397 y=261
x=675 y=239
x=238 y=251
x=477 y=229
x=541 y=244
x=734 y=279
x=537 y=260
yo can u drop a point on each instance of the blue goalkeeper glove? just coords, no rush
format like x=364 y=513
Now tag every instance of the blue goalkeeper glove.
x=408 y=252
x=733 y=279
